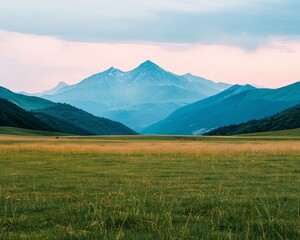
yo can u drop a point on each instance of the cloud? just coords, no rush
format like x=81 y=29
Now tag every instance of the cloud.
x=245 y=23
x=35 y=63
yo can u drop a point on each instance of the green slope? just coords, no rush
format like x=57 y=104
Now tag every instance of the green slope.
x=27 y=132
x=288 y=119
x=61 y=125
x=73 y=120
x=26 y=102
x=64 y=118
x=13 y=116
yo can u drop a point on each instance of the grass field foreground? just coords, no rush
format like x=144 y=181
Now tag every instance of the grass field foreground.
x=149 y=188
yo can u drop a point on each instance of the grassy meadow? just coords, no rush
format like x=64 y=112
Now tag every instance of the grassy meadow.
x=149 y=187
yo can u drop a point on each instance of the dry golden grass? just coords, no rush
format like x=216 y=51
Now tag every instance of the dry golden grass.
x=159 y=147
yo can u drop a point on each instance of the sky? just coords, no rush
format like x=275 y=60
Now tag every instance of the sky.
x=236 y=41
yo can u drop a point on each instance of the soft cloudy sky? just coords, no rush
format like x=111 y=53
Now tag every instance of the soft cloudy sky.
x=235 y=41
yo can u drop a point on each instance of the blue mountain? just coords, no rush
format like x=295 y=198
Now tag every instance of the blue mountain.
x=233 y=106
x=137 y=98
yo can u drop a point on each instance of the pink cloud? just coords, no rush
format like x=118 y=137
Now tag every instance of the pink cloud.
x=35 y=63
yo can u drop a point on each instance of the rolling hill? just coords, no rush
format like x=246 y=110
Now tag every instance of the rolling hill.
x=233 y=106
x=13 y=116
x=288 y=119
x=61 y=117
x=136 y=98
x=67 y=118
x=26 y=102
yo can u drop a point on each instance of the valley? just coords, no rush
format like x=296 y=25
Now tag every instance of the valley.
x=150 y=120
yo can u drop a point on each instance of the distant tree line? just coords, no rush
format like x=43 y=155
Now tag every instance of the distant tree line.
x=288 y=119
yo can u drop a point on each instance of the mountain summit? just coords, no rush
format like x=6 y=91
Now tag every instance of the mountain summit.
x=54 y=90
x=149 y=66
x=137 y=98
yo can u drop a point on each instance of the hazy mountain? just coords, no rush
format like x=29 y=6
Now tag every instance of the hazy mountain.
x=136 y=98
x=233 y=106
x=210 y=84
x=287 y=119
x=57 y=89
x=13 y=116
x=150 y=112
x=65 y=118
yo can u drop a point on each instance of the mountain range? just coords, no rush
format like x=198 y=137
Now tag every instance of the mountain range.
x=287 y=119
x=136 y=98
x=40 y=114
x=233 y=106
x=152 y=101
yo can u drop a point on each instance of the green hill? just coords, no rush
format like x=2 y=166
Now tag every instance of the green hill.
x=288 y=119
x=59 y=117
x=72 y=120
x=13 y=116
x=26 y=102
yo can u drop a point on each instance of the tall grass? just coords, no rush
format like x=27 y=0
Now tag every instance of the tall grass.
x=106 y=188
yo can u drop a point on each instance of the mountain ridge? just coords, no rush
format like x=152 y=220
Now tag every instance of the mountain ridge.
x=113 y=92
x=232 y=106
x=56 y=89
